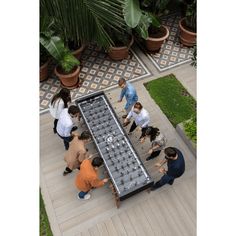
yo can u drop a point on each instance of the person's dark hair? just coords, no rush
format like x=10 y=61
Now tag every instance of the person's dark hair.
x=73 y=109
x=85 y=135
x=121 y=81
x=170 y=152
x=138 y=105
x=153 y=132
x=64 y=94
x=97 y=161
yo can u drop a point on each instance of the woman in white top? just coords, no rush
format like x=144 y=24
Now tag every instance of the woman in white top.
x=58 y=103
x=157 y=139
x=141 y=118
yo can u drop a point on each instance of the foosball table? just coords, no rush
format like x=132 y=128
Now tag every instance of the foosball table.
x=126 y=171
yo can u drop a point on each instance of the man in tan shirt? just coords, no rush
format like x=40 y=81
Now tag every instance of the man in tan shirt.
x=77 y=151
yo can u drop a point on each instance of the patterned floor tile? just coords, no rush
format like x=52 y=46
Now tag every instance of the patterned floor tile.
x=98 y=72
x=172 y=52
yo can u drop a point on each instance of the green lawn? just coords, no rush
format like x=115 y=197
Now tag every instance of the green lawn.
x=45 y=229
x=173 y=99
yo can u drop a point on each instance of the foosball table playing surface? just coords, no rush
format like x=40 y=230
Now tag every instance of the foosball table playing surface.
x=125 y=169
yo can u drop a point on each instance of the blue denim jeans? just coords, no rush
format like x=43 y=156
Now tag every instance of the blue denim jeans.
x=82 y=194
x=165 y=179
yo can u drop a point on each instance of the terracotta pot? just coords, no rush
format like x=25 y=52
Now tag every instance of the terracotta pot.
x=154 y=44
x=70 y=80
x=77 y=53
x=44 y=71
x=187 y=37
x=120 y=53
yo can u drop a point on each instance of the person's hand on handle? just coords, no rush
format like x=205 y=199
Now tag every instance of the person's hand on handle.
x=162 y=170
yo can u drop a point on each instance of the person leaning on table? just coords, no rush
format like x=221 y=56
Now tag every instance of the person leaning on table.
x=87 y=177
x=141 y=118
x=77 y=151
x=130 y=94
x=176 y=167
x=66 y=124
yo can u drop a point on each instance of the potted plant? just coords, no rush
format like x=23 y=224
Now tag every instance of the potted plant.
x=122 y=41
x=187 y=25
x=68 y=68
x=44 y=61
x=146 y=21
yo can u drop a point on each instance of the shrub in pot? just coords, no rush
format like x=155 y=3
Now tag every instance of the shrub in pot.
x=122 y=42
x=187 y=25
x=145 y=20
x=44 y=61
x=68 y=68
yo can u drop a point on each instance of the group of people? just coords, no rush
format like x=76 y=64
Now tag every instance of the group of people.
x=77 y=155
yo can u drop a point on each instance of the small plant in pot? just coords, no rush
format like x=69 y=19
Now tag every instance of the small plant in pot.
x=146 y=21
x=44 y=61
x=187 y=25
x=122 y=41
x=68 y=68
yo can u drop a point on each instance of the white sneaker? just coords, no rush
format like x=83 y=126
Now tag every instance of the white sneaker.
x=86 y=197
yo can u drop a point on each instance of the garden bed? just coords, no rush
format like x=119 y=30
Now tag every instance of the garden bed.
x=45 y=229
x=176 y=103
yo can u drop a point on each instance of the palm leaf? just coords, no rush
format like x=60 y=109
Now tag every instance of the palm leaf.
x=132 y=13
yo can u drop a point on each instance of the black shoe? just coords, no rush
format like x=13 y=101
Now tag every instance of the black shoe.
x=124 y=116
x=149 y=158
x=66 y=173
x=171 y=182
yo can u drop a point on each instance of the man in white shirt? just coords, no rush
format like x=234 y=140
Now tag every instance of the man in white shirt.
x=141 y=118
x=66 y=124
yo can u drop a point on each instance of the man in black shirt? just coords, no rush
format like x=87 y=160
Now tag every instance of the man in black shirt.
x=175 y=164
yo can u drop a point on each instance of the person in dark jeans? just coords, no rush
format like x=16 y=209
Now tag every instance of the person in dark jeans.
x=176 y=167
x=58 y=103
x=65 y=125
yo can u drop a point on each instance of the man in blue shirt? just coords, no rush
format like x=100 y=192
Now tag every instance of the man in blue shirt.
x=176 y=167
x=130 y=94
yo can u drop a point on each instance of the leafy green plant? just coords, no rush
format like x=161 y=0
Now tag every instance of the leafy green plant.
x=84 y=21
x=55 y=46
x=144 y=17
x=190 y=128
x=190 y=8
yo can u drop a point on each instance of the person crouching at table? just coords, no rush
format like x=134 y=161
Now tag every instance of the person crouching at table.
x=87 y=178
x=157 y=139
x=77 y=151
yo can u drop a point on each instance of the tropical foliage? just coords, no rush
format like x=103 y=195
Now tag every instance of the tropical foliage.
x=190 y=128
x=84 y=21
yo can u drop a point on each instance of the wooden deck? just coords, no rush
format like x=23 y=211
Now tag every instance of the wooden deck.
x=170 y=210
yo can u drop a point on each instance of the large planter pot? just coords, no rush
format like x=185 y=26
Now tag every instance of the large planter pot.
x=44 y=71
x=120 y=53
x=153 y=44
x=187 y=37
x=77 y=53
x=69 y=81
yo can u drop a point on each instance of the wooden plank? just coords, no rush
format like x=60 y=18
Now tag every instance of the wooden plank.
x=110 y=228
x=151 y=218
x=127 y=224
x=118 y=225
x=102 y=229
x=94 y=231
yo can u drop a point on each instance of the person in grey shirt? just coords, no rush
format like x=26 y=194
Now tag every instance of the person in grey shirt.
x=157 y=139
